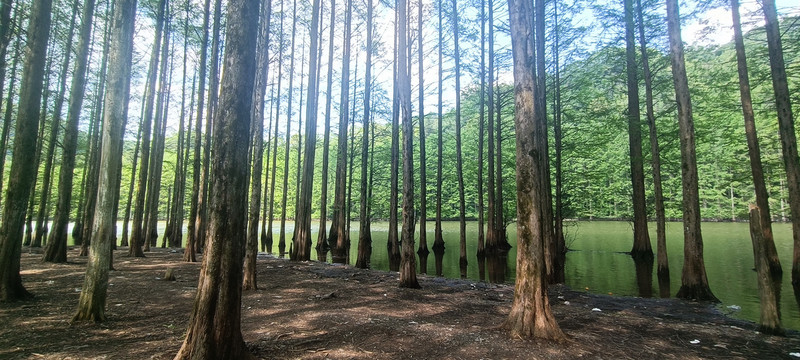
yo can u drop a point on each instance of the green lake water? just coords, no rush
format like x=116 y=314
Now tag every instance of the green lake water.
x=597 y=261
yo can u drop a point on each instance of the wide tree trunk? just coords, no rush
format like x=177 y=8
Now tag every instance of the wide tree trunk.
x=641 y=237
x=694 y=283
x=56 y=250
x=215 y=327
x=530 y=314
x=783 y=106
x=22 y=169
x=92 y=301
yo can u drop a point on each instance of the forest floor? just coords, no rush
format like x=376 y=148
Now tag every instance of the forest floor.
x=312 y=310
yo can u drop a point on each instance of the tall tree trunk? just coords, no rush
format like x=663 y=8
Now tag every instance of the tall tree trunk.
x=92 y=301
x=215 y=325
x=694 y=283
x=55 y=125
x=641 y=238
x=282 y=239
x=257 y=130
x=302 y=242
x=57 y=243
x=126 y=218
x=137 y=233
x=754 y=151
x=423 y=176
x=364 y=230
x=462 y=233
x=322 y=241
x=191 y=236
x=337 y=239
x=8 y=114
x=783 y=105
x=491 y=232
x=438 y=241
x=530 y=314
x=22 y=169
x=558 y=214
x=408 y=266
x=481 y=251
x=90 y=188
x=213 y=95
x=658 y=197
x=275 y=145
x=393 y=243
x=769 y=287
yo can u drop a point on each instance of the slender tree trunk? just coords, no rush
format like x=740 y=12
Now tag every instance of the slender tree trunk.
x=408 y=271
x=137 y=234
x=481 y=251
x=658 y=197
x=393 y=243
x=491 y=232
x=275 y=145
x=462 y=255
x=191 y=238
x=438 y=242
x=558 y=215
x=91 y=305
x=55 y=125
x=530 y=314
x=282 y=239
x=257 y=130
x=215 y=325
x=769 y=286
x=762 y=196
x=337 y=239
x=7 y=116
x=90 y=188
x=364 y=231
x=22 y=169
x=423 y=176
x=302 y=242
x=641 y=238
x=783 y=105
x=322 y=241
x=694 y=283
x=126 y=218
x=57 y=243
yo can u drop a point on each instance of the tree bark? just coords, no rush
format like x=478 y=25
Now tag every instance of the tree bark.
x=769 y=286
x=91 y=304
x=282 y=238
x=641 y=237
x=364 y=230
x=215 y=326
x=56 y=250
x=269 y=239
x=694 y=283
x=22 y=169
x=462 y=233
x=423 y=173
x=322 y=240
x=338 y=237
x=783 y=105
x=530 y=314
x=438 y=242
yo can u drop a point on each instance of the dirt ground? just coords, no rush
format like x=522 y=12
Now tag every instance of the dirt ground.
x=321 y=311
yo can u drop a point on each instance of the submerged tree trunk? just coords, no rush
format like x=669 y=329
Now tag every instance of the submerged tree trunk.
x=530 y=314
x=462 y=237
x=423 y=176
x=215 y=326
x=769 y=286
x=438 y=242
x=786 y=129
x=22 y=169
x=658 y=197
x=92 y=301
x=392 y=244
x=641 y=237
x=694 y=283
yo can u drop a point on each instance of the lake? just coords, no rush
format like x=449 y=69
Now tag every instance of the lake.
x=598 y=264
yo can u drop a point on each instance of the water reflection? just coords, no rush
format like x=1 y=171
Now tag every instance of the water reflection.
x=497 y=265
x=644 y=275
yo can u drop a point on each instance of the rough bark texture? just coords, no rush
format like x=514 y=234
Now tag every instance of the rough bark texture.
x=56 y=250
x=786 y=129
x=408 y=266
x=753 y=149
x=641 y=237
x=364 y=231
x=22 y=169
x=215 y=326
x=694 y=283
x=322 y=239
x=338 y=237
x=658 y=197
x=257 y=131
x=769 y=286
x=530 y=314
x=92 y=301
x=302 y=240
